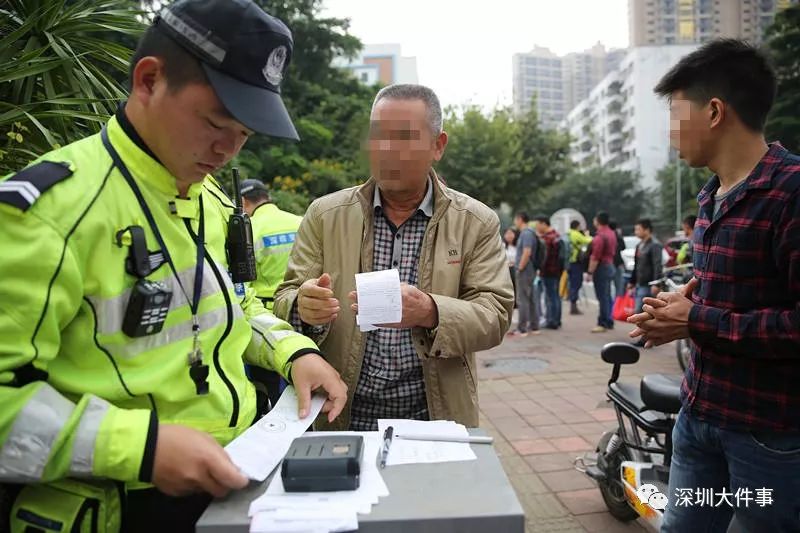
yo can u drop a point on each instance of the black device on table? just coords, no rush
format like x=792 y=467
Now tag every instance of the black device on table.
x=323 y=463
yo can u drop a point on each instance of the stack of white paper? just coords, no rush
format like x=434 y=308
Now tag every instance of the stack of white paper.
x=312 y=512
x=258 y=450
x=419 y=451
x=380 y=299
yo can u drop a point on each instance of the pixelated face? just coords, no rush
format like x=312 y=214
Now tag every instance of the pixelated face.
x=645 y=491
x=690 y=129
x=639 y=231
x=658 y=501
x=401 y=145
x=509 y=236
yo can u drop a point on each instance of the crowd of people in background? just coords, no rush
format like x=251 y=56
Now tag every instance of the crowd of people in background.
x=547 y=268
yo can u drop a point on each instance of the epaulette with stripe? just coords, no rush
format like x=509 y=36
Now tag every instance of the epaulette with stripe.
x=23 y=188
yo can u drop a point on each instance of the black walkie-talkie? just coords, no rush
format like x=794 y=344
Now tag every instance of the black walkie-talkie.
x=241 y=256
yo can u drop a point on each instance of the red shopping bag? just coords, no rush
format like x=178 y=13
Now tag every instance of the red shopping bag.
x=623 y=307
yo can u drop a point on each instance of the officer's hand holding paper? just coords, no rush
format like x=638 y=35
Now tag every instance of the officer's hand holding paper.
x=377 y=294
x=261 y=447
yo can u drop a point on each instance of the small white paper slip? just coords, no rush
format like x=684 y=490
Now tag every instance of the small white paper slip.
x=261 y=447
x=267 y=522
x=380 y=300
x=365 y=327
x=403 y=452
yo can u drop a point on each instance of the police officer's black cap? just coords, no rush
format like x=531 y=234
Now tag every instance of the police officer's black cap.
x=251 y=186
x=245 y=53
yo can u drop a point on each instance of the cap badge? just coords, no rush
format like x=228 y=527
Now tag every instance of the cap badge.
x=273 y=70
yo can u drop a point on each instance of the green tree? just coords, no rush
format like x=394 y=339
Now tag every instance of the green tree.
x=594 y=190
x=692 y=180
x=57 y=73
x=540 y=160
x=783 y=39
x=498 y=158
x=480 y=149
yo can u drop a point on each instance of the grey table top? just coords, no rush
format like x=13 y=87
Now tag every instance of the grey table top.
x=457 y=497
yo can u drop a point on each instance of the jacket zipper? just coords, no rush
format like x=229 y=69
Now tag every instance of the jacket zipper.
x=228 y=326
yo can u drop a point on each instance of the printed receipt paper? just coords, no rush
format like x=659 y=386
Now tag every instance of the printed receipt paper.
x=258 y=450
x=380 y=300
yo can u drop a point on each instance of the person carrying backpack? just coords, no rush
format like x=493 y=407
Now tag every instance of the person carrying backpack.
x=528 y=250
x=551 y=269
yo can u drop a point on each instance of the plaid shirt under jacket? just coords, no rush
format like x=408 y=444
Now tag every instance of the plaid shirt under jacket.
x=391 y=383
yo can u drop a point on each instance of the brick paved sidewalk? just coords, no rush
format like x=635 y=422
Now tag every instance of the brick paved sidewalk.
x=542 y=419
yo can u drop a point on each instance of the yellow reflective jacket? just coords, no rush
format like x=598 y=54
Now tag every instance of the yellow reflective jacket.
x=273 y=236
x=80 y=397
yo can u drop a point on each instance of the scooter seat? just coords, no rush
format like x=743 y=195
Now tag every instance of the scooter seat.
x=661 y=393
x=628 y=395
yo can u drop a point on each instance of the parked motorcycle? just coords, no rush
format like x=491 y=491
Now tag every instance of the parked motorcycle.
x=631 y=462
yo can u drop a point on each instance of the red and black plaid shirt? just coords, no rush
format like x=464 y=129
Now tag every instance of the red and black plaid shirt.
x=745 y=371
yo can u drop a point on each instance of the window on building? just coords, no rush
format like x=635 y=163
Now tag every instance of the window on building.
x=364 y=77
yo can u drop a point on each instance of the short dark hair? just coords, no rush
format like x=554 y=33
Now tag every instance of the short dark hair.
x=613 y=225
x=257 y=196
x=544 y=219
x=181 y=68
x=602 y=217
x=575 y=224
x=645 y=223
x=524 y=216
x=732 y=70
x=690 y=220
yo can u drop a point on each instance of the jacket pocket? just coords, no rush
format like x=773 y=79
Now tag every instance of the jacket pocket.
x=68 y=506
x=470 y=377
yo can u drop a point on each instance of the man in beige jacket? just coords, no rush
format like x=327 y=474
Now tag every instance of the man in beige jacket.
x=457 y=293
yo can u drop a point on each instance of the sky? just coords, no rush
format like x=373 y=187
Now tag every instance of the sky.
x=464 y=47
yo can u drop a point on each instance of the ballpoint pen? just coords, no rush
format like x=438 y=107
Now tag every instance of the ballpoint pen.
x=445 y=438
x=387 y=441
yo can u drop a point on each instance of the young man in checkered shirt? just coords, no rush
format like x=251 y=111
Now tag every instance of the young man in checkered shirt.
x=739 y=429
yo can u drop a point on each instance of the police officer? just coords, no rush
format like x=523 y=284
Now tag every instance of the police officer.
x=274 y=231
x=122 y=336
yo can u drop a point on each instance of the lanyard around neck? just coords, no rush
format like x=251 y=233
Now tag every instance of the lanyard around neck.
x=194 y=302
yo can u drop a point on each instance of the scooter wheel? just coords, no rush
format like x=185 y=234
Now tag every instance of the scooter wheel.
x=612 y=489
x=684 y=352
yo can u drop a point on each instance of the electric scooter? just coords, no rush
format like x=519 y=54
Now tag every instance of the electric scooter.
x=631 y=462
